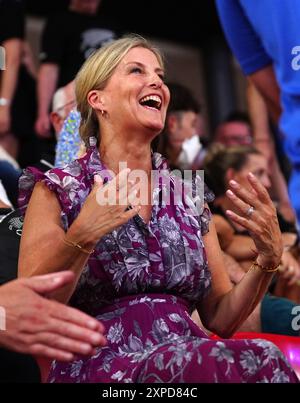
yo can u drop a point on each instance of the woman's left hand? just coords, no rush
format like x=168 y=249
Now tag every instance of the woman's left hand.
x=258 y=216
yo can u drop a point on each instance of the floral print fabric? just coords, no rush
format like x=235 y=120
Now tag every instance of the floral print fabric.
x=142 y=282
x=69 y=141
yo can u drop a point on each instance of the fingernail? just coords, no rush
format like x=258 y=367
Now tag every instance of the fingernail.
x=97 y=178
x=56 y=280
x=251 y=176
x=96 y=338
x=233 y=183
x=229 y=212
x=230 y=193
x=92 y=324
x=85 y=348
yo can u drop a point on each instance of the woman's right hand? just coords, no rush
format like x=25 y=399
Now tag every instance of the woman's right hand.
x=105 y=209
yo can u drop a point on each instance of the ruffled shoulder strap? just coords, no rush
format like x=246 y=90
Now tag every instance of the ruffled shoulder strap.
x=71 y=184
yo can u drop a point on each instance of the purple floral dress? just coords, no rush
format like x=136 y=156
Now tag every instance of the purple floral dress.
x=142 y=282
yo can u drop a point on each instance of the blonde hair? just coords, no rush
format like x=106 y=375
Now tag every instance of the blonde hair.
x=96 y=71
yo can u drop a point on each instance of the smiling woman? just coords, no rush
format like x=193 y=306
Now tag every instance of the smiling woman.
x=138 y=74
x=142 y=270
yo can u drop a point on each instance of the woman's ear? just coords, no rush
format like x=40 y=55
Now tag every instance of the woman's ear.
x=95 y=99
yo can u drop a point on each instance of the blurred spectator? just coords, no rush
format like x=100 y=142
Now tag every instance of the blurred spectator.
x=68 y=39
x=9 y=176
x=224 y=164
x=69 y=144
x=179 y=142
x=264 y=37
x=4 y=201
x=64 y=101
x=263 y=134
x=66 y=121
x=17 y=90
x=234 y=130
x=11 y=37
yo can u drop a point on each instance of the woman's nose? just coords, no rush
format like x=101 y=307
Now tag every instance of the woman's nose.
x=155 y=82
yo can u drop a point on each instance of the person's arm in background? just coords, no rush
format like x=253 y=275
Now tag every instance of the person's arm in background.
x=266 y=84
x=242 y=249
x=238 y=246
x=46 y=85
x=11 y=38
x=51 y=57
x=250 y=53
x=9 y=79
x=257 y=66
x=263 y=141
x=259 y=118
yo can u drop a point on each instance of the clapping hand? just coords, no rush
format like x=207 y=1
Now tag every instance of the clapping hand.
x=106 y=208
x=258 y=216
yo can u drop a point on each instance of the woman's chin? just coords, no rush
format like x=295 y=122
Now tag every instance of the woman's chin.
x=155 y=129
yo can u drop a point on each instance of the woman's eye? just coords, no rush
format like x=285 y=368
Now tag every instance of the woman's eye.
x=162 y=77
x=136 y=70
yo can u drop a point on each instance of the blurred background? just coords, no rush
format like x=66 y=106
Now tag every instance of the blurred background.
x=190 y=37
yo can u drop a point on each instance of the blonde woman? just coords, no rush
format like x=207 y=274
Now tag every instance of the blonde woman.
x=141 y=270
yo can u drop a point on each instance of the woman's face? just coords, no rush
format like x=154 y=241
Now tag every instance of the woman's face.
x=136 y=97
x=257 y=164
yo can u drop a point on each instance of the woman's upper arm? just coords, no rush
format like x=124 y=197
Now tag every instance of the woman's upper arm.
x=224 y=231
x=41 y=231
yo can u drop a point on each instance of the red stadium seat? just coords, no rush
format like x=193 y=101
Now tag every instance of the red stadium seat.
x=289 y=345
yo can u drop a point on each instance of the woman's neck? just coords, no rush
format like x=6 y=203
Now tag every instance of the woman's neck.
x=134 y=155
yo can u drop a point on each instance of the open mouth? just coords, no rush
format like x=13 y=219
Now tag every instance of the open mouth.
x=151 y=101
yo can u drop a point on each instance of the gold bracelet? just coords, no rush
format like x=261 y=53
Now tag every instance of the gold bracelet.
x=77 y=246
x=265 y=269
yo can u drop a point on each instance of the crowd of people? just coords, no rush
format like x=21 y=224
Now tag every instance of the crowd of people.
x=152 y=273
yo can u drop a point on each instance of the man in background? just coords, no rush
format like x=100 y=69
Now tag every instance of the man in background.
x=68 y=39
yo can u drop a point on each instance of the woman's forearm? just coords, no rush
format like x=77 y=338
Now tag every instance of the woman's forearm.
x=235 y=306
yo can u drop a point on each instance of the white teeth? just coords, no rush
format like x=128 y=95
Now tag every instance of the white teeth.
x=154 y=98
